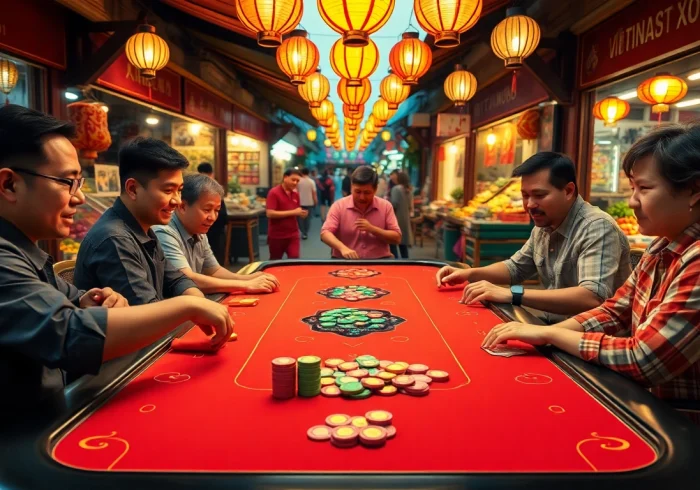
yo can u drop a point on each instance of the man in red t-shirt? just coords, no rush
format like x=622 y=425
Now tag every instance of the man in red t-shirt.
x=283 y=208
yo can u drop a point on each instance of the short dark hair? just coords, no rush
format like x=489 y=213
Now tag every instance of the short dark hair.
x=561 y=168
x=205 y=168
x=305 y=171
x=292 y=171
x=197 y=184
x=21 y=134
x=675 y=148
x=364 y=175
x=142 y=159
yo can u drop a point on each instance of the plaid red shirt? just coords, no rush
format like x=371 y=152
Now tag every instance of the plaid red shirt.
x=650 y=330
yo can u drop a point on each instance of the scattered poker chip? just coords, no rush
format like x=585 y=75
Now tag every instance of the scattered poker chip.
x=368 y=363
x=395 y=368
x=423 y=378
x=379 y=417
x=386 y=376
x=372 y=383
x=385 y=364
x=348 y=366
x=337 y=420
x=404 y=364
x=338 y=374
x=373 y=371
x=319 y=433
x=418 y=388
x=333 y=363
x=358 y=373
x=352 y=388
x=327 y=382
x=330 y=391
x=388 y=390
x=233 y=337
x=326 y=372
x=373 y=436
x=346 y=379
x=403 y=381
x=365 y=357
x=365 y=393
x=438 y=375
x=390 y=431
x=359 y=422
x=417 y=369
x=345 y=436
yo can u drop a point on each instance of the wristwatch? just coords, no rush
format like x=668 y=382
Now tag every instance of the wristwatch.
x=517 y=292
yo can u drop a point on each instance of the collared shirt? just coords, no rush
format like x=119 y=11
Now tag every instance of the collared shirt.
x=307 y=190
x=650 y=330
x=341 y=222
x=587 y=250
x=184 y=250
x=42 y=327
x=117 y=253
x=280 y=200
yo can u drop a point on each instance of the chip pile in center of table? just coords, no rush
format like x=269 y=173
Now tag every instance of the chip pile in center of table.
x=343 y=431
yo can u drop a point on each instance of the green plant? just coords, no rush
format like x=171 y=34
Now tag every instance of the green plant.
x=457 y=194
x=620 y=210
x=233 y=186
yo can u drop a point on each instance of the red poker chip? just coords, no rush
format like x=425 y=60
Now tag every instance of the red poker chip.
x=417 y=369
x=403 y=381
x=319 y=433
x=344 y=444
x=438 y=375
x=345 y=434
x=379 y=417
x=338 y=420
x=417 y=388
x=331 y=391
x=357 y=373
x=373 y=436
x=423 y=378
x=390 y=431
x=348 y=366
x=384 y=364
x=284 y=362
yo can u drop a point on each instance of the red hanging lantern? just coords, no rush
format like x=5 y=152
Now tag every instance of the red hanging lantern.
x=528 y=125
x=91 y=129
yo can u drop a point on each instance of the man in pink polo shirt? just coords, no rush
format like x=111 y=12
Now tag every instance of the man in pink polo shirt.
x=283 y=208
x=361 y=225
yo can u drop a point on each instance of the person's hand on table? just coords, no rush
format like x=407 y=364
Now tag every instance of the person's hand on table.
x=532 y=334
x=105 y=297
x=349 y=254
x=451 y=276
x=260 y=285
x=485 y=291
x=212 y=318
x=364 y=225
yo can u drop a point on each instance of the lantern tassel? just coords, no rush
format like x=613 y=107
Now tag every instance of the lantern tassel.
x=659 y=123
x=514 y=83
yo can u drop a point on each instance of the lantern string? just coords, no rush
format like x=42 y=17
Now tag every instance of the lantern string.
x=514 y=83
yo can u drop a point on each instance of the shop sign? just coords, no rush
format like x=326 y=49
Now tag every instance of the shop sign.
x=205 y=106
x=638 y=35
x=452 y=125
x=497 y=100
x=164 y=90
x=35 y=30
x=249 y=125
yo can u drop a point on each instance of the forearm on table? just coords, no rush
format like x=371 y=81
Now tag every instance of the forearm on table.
x=389 y=236
x=130 y=329
x=212 y=284
x=223 y=273
x=495 y=274
x=565 y=339
x=193 y=292
x=273 y=214
x=566 y=301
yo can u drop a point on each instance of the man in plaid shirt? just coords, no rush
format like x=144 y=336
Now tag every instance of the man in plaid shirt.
x=650 y=330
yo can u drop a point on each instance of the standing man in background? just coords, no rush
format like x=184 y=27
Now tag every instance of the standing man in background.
x=283 y=209
x=308 y=200
x=217 y=233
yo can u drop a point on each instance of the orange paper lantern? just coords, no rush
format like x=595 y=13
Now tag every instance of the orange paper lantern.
x=354 y=97
x=355 y=19
x=393 y=90
x=92 y=132
x=447 y=19
x=460 y=86
x=270 y=19
x=323 y=112
x=528 y=125
x=354 y=62
x=661 y=91
x=297 y=57
x=315 y=89
x=410 y=58
x=610 y=110
x=381 y=110
x=357 y=114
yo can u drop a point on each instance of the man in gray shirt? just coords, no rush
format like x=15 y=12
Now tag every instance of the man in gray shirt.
x=186 y=245
x=578 y=252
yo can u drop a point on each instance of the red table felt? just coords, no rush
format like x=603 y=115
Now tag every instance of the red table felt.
x=215 y=413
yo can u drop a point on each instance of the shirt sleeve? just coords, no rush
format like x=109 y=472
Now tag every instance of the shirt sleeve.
x=271 y=201
x=332 y=223
x=41 y=323
x=175 y=282
x=116 y=262
x=209 y=257
x=614 y=316
x=521 y=265
x=171 y=247
x=392 y=224
x=72 y=293
x=599 y=258
x=664 y=345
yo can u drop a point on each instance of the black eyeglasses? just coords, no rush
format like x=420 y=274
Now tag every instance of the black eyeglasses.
x=74 y=184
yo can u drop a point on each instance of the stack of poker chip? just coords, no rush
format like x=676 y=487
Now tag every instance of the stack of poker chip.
x=309 y=376
x=344 y=431
x=284 y=375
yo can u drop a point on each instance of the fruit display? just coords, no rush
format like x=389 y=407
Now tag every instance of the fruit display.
x=625 y=218
x=84 y=218
x=503 y=198
x=629 y=225
x=241 y=200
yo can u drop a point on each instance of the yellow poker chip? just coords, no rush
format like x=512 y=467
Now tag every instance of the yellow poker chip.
x=396 y=368
x=347 y=379
x=388 y=390
x=372 y=383
x=379 y=417
x=385 y=376
x=348 y=366
x=404 y=364
x=337 y=420
x=327 y=381
x=359 y=422
x=319 y=433
x=333 y=363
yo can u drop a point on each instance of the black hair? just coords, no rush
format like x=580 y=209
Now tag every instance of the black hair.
x=675 y=148
x=395 y=171
x=197 y=184
x=21 y=135
x=561 y=168
x=305 y=171
x=205 y=168
x=142 y=159
x=364 y=175
x=292 y=171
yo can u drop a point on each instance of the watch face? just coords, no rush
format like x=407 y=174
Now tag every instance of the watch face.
x=517 y=289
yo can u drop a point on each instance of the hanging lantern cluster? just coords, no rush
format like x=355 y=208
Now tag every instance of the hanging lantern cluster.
x=610 y=110
x=661 y=91
x=315 y=89
x=298 y=57
x=410 y=58
x=393 y=90
x=460 y=86
x=354 y=62
x=355 y=20
x=147 y=51
x=270 y=19
x=381 y=110
x=9 y=75
x=445 y=20
x=515 y=38
x=354 y=96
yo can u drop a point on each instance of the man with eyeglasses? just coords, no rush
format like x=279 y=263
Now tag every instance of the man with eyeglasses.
x=49 y=327
x=121 y=251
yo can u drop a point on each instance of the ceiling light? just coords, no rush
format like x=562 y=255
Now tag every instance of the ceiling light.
x=628 y=95
x=71 y=96
x=694 y=76
x=688 y=103
x=152 y=120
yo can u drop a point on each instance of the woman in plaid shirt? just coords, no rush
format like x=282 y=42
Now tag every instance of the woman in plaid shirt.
x=650 y=330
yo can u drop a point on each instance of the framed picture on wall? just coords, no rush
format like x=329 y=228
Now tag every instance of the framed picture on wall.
x=107 y=180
